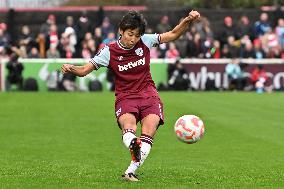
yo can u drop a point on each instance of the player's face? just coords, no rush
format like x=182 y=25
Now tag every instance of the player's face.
x=130 y=37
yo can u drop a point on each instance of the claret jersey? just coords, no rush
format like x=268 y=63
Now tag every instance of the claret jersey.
x=131 y=67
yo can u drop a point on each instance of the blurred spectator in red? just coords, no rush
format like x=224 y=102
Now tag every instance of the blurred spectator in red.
x=164 y=25
x=258 y=78
x=262 y=25
x=216 y=49
x=172 y=52
x=154 y=52
x=85 y=53
x=271 y=44
x=45 y=28
x=53 y=36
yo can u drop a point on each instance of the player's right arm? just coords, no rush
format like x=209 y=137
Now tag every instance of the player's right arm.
x=100 y=60
x=78 y=70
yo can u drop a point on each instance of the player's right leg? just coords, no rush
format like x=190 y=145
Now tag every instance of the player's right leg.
x=128 y=125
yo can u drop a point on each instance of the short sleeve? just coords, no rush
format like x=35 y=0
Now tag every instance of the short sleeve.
x=151 y=40
x=101 y=59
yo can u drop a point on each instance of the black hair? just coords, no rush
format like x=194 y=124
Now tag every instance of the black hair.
x=133 y=20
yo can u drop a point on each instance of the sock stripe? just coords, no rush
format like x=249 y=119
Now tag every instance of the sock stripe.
x=128 y=130
x=147 y=139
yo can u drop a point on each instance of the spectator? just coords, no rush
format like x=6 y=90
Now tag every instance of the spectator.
x=70 y=33
x=179 y=79
x=233 y=46
x=235 y=75
x=4 y=38
x=279 y=30
x=110 y=38
x=248 y=51
x=154 y=52
x=172 y=52
x=227 y=30
x=216 y=50
x=106 y=28
x=194 y=46
x=258 y=78
x=262 y=26
x=53 y=39
x=69 y=82
x=45 y=28
x=52 y=52
x=34 y=53
x=203 y=28
x=69 y=23
x=164 y=25
x=245 y=27
x=258 y=51
x=271 y=44
x=98 y=37
x=64 y=47
x=26 y=40
x=85 y=53
x=83 y=26
x=15 y=69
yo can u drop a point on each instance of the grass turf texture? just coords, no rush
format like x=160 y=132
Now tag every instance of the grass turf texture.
x=71 y=140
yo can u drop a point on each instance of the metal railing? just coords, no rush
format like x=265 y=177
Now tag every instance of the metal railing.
x=30 y=3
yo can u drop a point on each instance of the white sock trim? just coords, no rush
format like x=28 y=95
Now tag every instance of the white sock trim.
x=127 y=138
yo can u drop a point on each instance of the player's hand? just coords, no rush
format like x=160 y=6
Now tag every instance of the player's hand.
x=65 y=68
x=193 y=15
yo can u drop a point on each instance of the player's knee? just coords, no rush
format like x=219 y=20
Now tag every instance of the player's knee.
x=129 y=126
x=149 y=128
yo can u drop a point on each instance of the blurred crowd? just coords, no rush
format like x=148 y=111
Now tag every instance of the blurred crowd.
x=80 y=39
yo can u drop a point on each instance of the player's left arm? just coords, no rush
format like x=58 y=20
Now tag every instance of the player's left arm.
x=180 y=28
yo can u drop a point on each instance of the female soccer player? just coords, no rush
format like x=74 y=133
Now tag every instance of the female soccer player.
x=137 y=99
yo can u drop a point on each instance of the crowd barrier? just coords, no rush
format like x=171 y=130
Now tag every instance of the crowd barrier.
x=199 y=71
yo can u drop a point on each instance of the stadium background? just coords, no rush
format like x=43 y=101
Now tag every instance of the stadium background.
x=70 y=140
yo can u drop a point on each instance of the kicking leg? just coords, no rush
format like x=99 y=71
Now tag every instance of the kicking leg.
x=128 y=126
x=149 y=126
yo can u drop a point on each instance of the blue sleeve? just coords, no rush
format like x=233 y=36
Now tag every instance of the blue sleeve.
x=151 y=40
x=102 y=58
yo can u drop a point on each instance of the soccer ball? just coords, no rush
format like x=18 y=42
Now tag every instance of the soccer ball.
x=189 y=129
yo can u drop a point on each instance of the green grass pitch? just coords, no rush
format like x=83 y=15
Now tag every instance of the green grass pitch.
x=71 y=140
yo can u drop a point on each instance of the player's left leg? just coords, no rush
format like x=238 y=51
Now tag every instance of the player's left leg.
x=149 y=128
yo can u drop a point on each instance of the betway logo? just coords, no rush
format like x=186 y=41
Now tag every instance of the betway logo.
x=131 y=65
